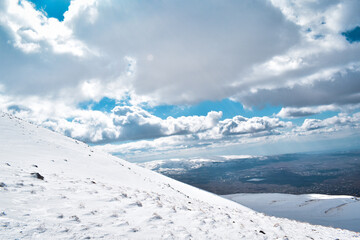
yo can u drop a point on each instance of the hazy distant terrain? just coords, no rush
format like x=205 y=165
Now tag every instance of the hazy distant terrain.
x=325 y=173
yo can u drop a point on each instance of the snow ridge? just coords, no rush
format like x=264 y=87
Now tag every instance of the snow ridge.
x=54 y=187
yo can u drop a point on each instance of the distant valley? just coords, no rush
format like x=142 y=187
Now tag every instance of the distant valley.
x=324 y=173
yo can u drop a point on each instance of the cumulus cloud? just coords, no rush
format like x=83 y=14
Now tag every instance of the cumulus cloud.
x=332 y=124
x=126 y=123
x=241 y=125
x=32 y=31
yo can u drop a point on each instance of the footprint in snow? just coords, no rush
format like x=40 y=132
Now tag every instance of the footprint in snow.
x=138 y=203
x=122 y=224
x=114 y=199
x=134 y=230
x=75 y=218
x=155 y=217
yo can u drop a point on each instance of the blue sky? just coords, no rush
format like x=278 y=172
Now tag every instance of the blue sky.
x=53 y=8
x=151 y=80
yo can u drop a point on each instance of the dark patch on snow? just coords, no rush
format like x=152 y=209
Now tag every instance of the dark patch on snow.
x=37 y=175
x=3 y=185
x=75 y=218
x=156 y=217
x=261 y=231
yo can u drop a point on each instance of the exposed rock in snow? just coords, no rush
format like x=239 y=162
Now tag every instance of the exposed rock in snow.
x=37 y=175
x=101 y=196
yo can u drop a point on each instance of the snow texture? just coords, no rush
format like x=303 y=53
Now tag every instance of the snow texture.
x=88 y=194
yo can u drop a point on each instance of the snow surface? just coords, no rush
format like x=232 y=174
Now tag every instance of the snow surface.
x=88 y=194
x=336 y=211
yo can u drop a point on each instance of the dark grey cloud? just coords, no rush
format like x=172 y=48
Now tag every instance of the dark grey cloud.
x=343 y=88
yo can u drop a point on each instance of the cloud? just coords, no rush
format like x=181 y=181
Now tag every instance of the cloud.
x=333 y=124
x=196 y=50
x=32 y=31
x=126 y=123
x=337 y=88
x=194 y=133
x=322 y=69
x=291 y=54
x=241 y=125
x=299 y=137
x=43 y=57
x=133 y=123
x=184 y=53
x=289 y=112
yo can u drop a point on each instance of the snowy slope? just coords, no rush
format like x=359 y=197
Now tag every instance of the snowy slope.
x=335 y=211
x=88 y=194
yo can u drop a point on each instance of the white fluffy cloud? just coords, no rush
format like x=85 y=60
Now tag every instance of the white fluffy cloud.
x=241 y=125
x=124 y=123
x=133 y=123
x=332 y=124
x=32 y=31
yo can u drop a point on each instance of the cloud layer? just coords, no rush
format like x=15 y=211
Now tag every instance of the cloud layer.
x=291 y=54
x=183 y=53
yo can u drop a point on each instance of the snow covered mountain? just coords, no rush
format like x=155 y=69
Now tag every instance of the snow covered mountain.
x=54 y=187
